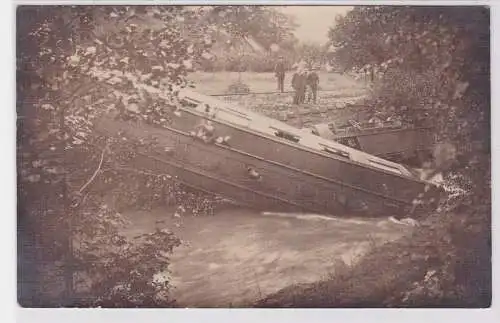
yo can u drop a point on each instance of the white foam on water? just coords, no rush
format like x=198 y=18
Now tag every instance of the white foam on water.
x=312 y=216
x=405 y=221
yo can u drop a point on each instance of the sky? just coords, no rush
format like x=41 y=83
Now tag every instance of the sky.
x=314 y=21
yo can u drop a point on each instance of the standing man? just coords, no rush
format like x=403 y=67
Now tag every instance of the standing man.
x=279 y=71
x=312 y=84
x=302 y=86
x=299 y=86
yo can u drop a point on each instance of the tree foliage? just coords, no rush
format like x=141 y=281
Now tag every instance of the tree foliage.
x=433 y=66
x=74 y=64
x=434 y=63
x=249 y=38
x=312 y=53
x=266 y=24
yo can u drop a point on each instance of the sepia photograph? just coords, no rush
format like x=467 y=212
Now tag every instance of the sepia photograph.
x=253 y=156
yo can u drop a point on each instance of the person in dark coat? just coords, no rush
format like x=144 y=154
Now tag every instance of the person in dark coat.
x=312 y=84
x=299 y=80
x=279 y=71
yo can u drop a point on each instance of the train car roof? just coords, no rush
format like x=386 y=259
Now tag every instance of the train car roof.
x=243 y=117
x=237 y=115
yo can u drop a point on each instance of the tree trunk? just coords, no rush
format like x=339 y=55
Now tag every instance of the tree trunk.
x=68 y=252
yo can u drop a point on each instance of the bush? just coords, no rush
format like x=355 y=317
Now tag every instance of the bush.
x=247 y=63
x=259 y=64
x=238 y=87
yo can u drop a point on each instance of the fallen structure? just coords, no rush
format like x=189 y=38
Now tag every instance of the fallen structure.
x=391 y=141
x=268 y=165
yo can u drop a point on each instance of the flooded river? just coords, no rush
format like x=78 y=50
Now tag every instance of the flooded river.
x=238 y=256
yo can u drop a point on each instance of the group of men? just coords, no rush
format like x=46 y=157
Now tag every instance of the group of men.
x=305 y=82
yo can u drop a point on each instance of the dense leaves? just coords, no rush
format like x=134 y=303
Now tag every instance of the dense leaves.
x=76 y=63
x=249 y=38
x=266 y=25
x=432 y=65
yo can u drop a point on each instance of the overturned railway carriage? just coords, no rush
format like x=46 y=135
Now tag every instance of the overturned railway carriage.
x=390 y=142
x=269 y=165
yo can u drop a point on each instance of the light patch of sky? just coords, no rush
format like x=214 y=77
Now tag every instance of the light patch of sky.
x=314 y=21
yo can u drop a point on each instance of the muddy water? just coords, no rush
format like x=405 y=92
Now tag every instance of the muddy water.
x=238 y=256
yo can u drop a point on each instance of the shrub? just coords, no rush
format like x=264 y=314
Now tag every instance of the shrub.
x=238 y=87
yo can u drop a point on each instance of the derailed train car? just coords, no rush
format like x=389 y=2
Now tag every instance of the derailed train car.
x=268 y=165
x=403 y=145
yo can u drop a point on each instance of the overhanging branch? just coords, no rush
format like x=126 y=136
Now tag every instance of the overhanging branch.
x=91 y=179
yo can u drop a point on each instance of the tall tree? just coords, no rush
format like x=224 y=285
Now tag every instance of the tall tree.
x=74 y=64
x=265 y=24
x=435 y=65
x=243 y=34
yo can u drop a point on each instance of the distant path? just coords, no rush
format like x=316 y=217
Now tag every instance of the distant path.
x=218 y=82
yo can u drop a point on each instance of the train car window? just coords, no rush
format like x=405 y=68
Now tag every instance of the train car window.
x=335 y=151
x=190 y=102
x=287 y=135
x=384 y=166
